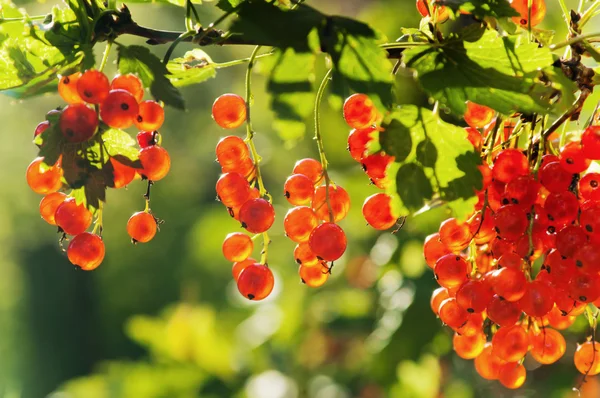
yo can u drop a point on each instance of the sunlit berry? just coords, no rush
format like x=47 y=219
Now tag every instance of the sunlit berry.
x=237 y=247
x=358 y=140
x=587 y=358
x=72 y=218
x=239 y=266
x=130 y=83
x=119 y=109
x=304 y=255
x=156 y=162
x=43 y=179
x=311 y=168
x=93 y=86
x=141 y=227
x=359 y=111
x=339 y=201
x=86 y=250
x=150 y=116
x=547 y=346
x=257 y=215
x=512 y=375
x=298 y=189
x=538 y=12
x=572 y=158
x=378 y=212
x=229 y=111
x=256 y=282
x=299 y=222
x=78 y=122
x=49 y=204
x=328 y=241
x=315 y=276
x=67 y=88
x=478 y=116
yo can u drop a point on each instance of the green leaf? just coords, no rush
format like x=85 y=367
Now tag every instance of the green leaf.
x=290 y=84
x=179 y=3
x=51 y=143
x=482 y=8
x=120 y=145
x=153 y=73
x=504 y=73
x=194 y=67
x=228 y=5
x=436 y=158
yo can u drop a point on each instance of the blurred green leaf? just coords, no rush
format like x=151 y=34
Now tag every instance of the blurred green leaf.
x=119 y=144
x=194 y=67
x=153 y=73
x=482 y=8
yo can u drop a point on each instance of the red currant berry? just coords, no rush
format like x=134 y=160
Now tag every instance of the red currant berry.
x=150 y=116
x=156 y=162
x=474 y=137
x=587 y=358
x=589 y=218
x=257 y=215
x=547 y=346
x=509 y=164
x=555 y=178
x=256 y=282
x=503 y=312
x=377 y=211
x=233 y=189
x=72 y=218
x=313 y=276
x=590 y=141
x=311 y=168
x=434 y=249
x=93 y=86
x=512 y=375
x=298 y=189
x=130 y=83
x=488 y=365
x=229 y=111
x=141 y=227
x=376 y=165
x=122 y=175
x=358 y=140
x=468 y=347
x=237 y=247
x=478 y=116
x=451 y=270
x=521 y=191
x=437 y=297
x=86 y=250
x=589 y=186
x=511 y=222
x=119 y=109
x=585 y=287
x=43 y=179
x=508 y=283
x=455 y=235
x=328 y=241
x=474 y=296
x=78 y=123
x=538 y=12
x=299 y=222
x=148 y=138
x=239 y=266
x=573 y=159
x=359 y=111
x=538 y=299
x=562 y=207
x=510 y=343
x=452 y=314
x=67 y=88
x=339 y=200
x=49 y=204
x=569 y=239
x=587 y=258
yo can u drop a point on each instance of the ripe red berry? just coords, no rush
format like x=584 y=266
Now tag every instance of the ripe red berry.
x=562 y=207
x=328 y=241
x=547 y=346
x=257 y=215
x=231 y=152
x=573 y=159
x=554 y=177
x=512 y=375
x=86 y=250
x=40 y=128
x=474 y=295
x=49 y=204
x=468 y=347
x=478 y=116
x=589 y=218
x=433 y=249
x=150 y=116
x=339 y=200
x=590 y=141
x=313 y=276
x=511 y=222
x=298 y=189
x=376 y=165
x=299 y=222
x=511 y=260
x=455 y=235
x=156 y=162
x=585 y=287
x=233 y=189
x=358 y=140
x=93 y=86
x=508 y=283
x=452 y=314
x=256 y=282
x=43 y=179
x=503 y=312
x=67 y=88
x=311 y=168
x=538 y=12
x=229 y=111
x=359 y=111
x=437 y=297
x=488 y=365
x=451 y=270
x=147 y=138
x=509 y=164
x=237 y=247
x=141 y=227
x=122 y=174
x=474 y=137
x=119 y=109
x=589 y=186
x=78 y=122
x=130 y=83
x=510 y=343
x=72 y=218
x=569 y=239
x=521 y=191
x=304 y=255
x=239 y=266
x=587 y=258
x=587 y=358
x=538 y=299
x=377 y=211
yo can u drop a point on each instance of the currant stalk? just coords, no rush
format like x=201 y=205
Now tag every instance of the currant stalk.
x=319 y=140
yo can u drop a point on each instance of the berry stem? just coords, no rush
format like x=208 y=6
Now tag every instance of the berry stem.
x=565 y=12
x=319 y=139
x=190 y=9
x=147 y=196
x=171 y=48
x=574 y=40
x=98 y=223
x=105 y=56
x=241 y=61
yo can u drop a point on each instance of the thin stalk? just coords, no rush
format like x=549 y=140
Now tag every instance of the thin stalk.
x=589 y=13
x=21 y=19
x=565 y=12
x=241 y=61
x=98 y=223
x=574 y=40
x=105 y=56
x=171 y=48
x=319 y=139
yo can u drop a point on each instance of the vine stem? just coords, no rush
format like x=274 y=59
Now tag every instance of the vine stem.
x=171 y=48
x=319 y=139
x=574 y=40
x=250 y=140
x=98 y=223
x=105 y=56
x=241 y=61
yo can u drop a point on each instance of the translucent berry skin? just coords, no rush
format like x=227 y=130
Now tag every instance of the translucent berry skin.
x=67 y=88
x=587 y=358
x=538 y=299
x=49 y=204
x=474 y=137
x=511 y=222
x=298 y=189
x=573 y=159
x=119 y=109
x=474 y=296
x=590 y=141
x=237 y=247
x=559 y=321
x=587 y=258
x=442 y=12
x=313 y=276
x=511 y=260
x=359 y=111
x=229 y=111
x=452 y=314
x=510 y=343
x=86 y=250
x=585 y=287
x=433 y=249
x=562 y=208
x=538 y=12
x=72 y=218
x=468 y=347
x=78 y=123
x=548 y=346
x=521 y=191
x=299 y=222
x=512 y=375
x=256 y=282
x=377 y=211
x=451 y=270
x=589 y=218
x=233 y=189
x=304 y=255
x=147 y=138
x=150 y=117
x=437 y=297
x=122 y=175
x=338 y=199
x=40 y=128
x=257 y=215
x=239 y=266
x=569 y=239
x=508 y=283
x=510 y=163
x=555 y=178
x=93 y=86
x=478 y=116
x=156 y=162
x=455 y=235
x=358 y=140
x=130 y=83
x=141 y=227
x=503 y=312
x=488 y=365
x=232 y=152
x=589 y=186
x=311 y=168
x=376 y=165
x=328 y=241
x=43 y=180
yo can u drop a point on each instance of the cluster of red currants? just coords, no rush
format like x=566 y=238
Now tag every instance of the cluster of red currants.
x=361 y=115
x=239 y=190
x=491 y=284
x=312 y=223
x=94 y=105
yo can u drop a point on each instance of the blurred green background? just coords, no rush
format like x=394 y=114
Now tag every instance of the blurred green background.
x=164 y=319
